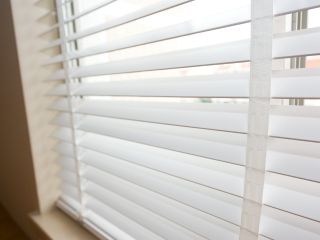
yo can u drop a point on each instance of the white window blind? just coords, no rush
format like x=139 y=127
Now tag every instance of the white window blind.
x=176 y=119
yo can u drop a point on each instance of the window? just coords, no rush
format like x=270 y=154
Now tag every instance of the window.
x=188 y=119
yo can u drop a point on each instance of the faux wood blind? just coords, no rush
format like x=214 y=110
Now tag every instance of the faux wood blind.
x=157 y=141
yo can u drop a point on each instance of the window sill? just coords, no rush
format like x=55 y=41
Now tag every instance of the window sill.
x=56 y=225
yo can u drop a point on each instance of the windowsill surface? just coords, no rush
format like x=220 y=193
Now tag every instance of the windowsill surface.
x=56 y=225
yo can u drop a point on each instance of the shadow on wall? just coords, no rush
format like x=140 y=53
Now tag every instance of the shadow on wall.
x=17 y=184
x=8 y=228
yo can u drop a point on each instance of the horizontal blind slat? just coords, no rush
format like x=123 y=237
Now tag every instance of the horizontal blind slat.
x=288 y=6
x=129 y=226
x=69 y=205
x=144 y=12
x=103 y=226
x=296 y=83
x=161 y=206
x=52 y=44
x=217 y=54
x=70 y=191
x=293 y=195
x=229 y=147
x=277 y=224
x=67 y=163
x=158 y=225
x=207 y=200
x=63 y=134
x=89 y=10
x=303 y=128
x=66 y=149
x=58 y=75
x=209 y=116
x=294 y=158
x=68 y=176
x=61 y=104
x=55 y=59
x=284 y=46
x=49 y=29
x=59 y=90
x=63 y=120
x=296 y=43
x=216 y=85
x=193 y=26
x=214 y=174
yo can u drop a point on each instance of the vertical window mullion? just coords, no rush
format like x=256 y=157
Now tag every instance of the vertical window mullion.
x=299 y=21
